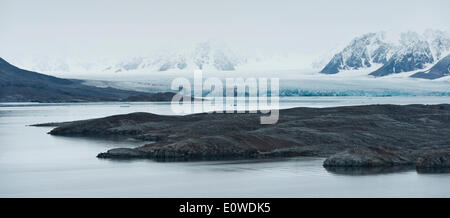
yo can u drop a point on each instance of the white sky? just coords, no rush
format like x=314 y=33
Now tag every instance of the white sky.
x=104 y=28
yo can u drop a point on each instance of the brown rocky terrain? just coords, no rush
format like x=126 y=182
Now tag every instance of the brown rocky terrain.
x=354 y=136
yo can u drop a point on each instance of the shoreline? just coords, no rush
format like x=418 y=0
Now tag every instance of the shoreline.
x=349 y=136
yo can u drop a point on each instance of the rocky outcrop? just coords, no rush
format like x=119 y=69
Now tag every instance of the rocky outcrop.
x=133 y=125
x=368 y=157
x=125 y=153
x=368 y=136
x=434 y=159
x=429 y=161
x=52 y=124
x=369 y=170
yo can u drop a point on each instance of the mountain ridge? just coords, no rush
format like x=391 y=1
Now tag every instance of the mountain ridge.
x=362 y=52
x=440 y=69
x=18 y=85
x=412 y=52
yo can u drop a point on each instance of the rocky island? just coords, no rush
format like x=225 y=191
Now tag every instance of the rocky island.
x=352 y=136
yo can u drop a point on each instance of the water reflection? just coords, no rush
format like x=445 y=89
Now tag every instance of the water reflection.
x=433 y=170
x=359 y=171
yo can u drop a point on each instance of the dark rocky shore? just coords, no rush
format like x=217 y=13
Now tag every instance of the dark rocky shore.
x=354 y=136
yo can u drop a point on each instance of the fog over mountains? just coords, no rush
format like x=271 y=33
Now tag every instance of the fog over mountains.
x=208 y=56
x=379 y=53
x=204 y=55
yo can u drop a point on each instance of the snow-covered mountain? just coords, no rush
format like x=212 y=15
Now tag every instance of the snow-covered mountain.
x=439 y=43
x=362 y=52
x=205 y=55
x=209 y=56
x=376 y=54
x=412 y=52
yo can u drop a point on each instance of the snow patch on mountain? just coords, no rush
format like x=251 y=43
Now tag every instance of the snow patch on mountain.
x=411 y=52
x=362 y=52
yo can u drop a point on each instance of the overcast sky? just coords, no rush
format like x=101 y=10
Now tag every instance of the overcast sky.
x=94 y=27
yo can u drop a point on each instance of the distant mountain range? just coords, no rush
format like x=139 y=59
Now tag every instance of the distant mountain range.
x=375 y=52
x=206 y=55
x=211 y=55
x=17 y=85
x=413 y=52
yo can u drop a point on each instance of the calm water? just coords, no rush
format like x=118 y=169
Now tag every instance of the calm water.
x=35 y=164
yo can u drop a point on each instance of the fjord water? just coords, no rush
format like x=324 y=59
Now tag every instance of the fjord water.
x=36 y=164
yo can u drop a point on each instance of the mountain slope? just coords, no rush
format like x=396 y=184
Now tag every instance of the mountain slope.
x=17 y=85
x=362 y=52
x=441 y=69
x=414 y=53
